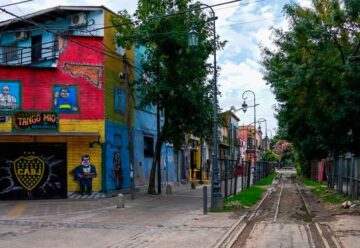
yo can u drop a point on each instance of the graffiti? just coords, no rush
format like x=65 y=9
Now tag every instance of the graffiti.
x=91 y=73
x=9 y=95
x=65 y=98
x=33 y=171
x=117 y=169
x=84 y=173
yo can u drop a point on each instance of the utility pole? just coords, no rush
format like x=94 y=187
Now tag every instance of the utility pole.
x=159 y=160
x=128 y=122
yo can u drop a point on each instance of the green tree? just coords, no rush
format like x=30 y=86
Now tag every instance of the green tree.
x=177 y=73
x=313 y=80
x=270 y=156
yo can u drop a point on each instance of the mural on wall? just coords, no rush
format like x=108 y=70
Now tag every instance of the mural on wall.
x=118 y=175
x=84 y=173
x=9 y=95
x=33 y=171
x=65 y=98
x=91 y=73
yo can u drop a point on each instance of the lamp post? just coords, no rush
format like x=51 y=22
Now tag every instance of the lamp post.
x=216 y=199
x=244 y=108
x=266 y=137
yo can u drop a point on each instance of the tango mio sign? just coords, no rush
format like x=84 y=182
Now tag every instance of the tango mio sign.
x=36 y=121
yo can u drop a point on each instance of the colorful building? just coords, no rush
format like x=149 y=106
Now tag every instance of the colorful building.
x=62 y=98
x=249 y=140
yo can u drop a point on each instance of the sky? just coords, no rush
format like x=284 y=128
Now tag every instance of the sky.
x=245 y=25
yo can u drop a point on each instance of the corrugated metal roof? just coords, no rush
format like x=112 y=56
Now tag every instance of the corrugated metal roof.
x=53 y=10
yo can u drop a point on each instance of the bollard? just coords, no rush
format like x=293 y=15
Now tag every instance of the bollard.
x=205 y=200
x=120 y=201
x=168 y=189
x=193 y=186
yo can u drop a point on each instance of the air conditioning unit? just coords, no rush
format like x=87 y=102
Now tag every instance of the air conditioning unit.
x=78 y=20
x=21 y=35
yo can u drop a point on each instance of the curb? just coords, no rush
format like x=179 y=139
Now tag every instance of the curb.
x=231 y=240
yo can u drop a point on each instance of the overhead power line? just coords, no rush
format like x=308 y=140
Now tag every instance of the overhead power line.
x=10 y=4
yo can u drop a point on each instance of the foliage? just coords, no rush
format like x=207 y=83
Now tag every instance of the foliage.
x=270 y=156
x=313 y=80
x=325 y=194
x=247 y=197
x=266 y=180
x=177 y=73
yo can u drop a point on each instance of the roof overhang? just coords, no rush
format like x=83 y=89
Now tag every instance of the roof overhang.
x=48 y=14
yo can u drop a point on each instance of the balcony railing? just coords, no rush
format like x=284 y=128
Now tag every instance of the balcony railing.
x=28 y=55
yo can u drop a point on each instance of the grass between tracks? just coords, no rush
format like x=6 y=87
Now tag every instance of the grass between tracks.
x=249 y=196
x=324 y=193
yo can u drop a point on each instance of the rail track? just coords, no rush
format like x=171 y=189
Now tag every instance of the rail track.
x=283 y=218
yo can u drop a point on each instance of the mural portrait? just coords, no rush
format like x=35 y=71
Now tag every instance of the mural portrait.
x=9 y=95
x=65 y=99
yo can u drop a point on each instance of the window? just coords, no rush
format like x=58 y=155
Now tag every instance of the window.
x=249 y=143
x=10 y=53
x=148 y=146
x=119 y=100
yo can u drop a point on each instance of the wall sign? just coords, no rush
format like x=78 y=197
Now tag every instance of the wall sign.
x=29 y=121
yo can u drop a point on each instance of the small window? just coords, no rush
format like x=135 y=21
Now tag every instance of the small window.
x=148 y=146
x=119 y=100
x=10 y=53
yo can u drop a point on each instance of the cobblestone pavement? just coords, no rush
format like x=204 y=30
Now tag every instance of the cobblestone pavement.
x=148 y=221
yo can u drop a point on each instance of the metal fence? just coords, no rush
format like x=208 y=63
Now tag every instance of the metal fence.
x=236 y=176
x=343 y=175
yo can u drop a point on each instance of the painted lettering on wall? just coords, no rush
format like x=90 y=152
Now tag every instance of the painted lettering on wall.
x=29 y=171
x=36 y=121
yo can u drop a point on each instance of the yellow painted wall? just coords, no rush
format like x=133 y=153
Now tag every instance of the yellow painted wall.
x=76 y=145
x=113 y=66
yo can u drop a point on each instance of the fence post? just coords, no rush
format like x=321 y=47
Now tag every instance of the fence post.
x=350 y=193
x=248 y=174
x=237 y=162
x=242 y=175
x=226 y=176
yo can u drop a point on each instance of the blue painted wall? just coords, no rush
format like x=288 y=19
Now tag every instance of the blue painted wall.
x=95 y=20
x=145 y=125
x=113 y=131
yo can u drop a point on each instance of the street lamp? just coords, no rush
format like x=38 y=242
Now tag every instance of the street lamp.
x=244 y=108
x=266 y=137
x=216 y=199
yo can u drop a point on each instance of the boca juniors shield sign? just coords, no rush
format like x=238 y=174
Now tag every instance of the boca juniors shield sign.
x=29 y=171
x=33 y=171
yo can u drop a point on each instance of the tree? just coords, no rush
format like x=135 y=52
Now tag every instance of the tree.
x=177 y=73
x=313 y=79
x=270 y=156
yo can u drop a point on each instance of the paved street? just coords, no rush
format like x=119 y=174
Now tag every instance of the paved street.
x=149 y=221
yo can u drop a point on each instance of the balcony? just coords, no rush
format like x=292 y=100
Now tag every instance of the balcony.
x=42 y=55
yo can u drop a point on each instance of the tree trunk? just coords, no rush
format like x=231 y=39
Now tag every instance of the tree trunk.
x=159 y=142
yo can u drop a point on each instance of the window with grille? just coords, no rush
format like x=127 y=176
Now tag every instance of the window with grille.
x=9 y=54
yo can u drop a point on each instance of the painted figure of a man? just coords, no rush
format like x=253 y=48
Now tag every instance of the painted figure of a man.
x=84 y=173
x=64 y=102
x=7 y=101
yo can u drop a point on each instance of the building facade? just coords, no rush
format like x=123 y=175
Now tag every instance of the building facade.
x=61 y=98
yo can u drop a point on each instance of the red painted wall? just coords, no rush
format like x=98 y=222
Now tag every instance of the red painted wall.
x=37 y=83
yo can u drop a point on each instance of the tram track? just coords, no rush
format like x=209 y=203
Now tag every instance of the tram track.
x=282 y=212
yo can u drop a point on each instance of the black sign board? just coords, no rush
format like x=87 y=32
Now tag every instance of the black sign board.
x=33 y=170
x=31 y=121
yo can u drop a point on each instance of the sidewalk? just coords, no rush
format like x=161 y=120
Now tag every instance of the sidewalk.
x=173 y=220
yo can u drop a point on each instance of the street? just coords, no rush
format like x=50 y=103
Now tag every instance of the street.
x=286 y=217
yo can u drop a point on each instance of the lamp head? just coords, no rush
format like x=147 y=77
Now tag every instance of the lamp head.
x=193 y=38
x=244 y=106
